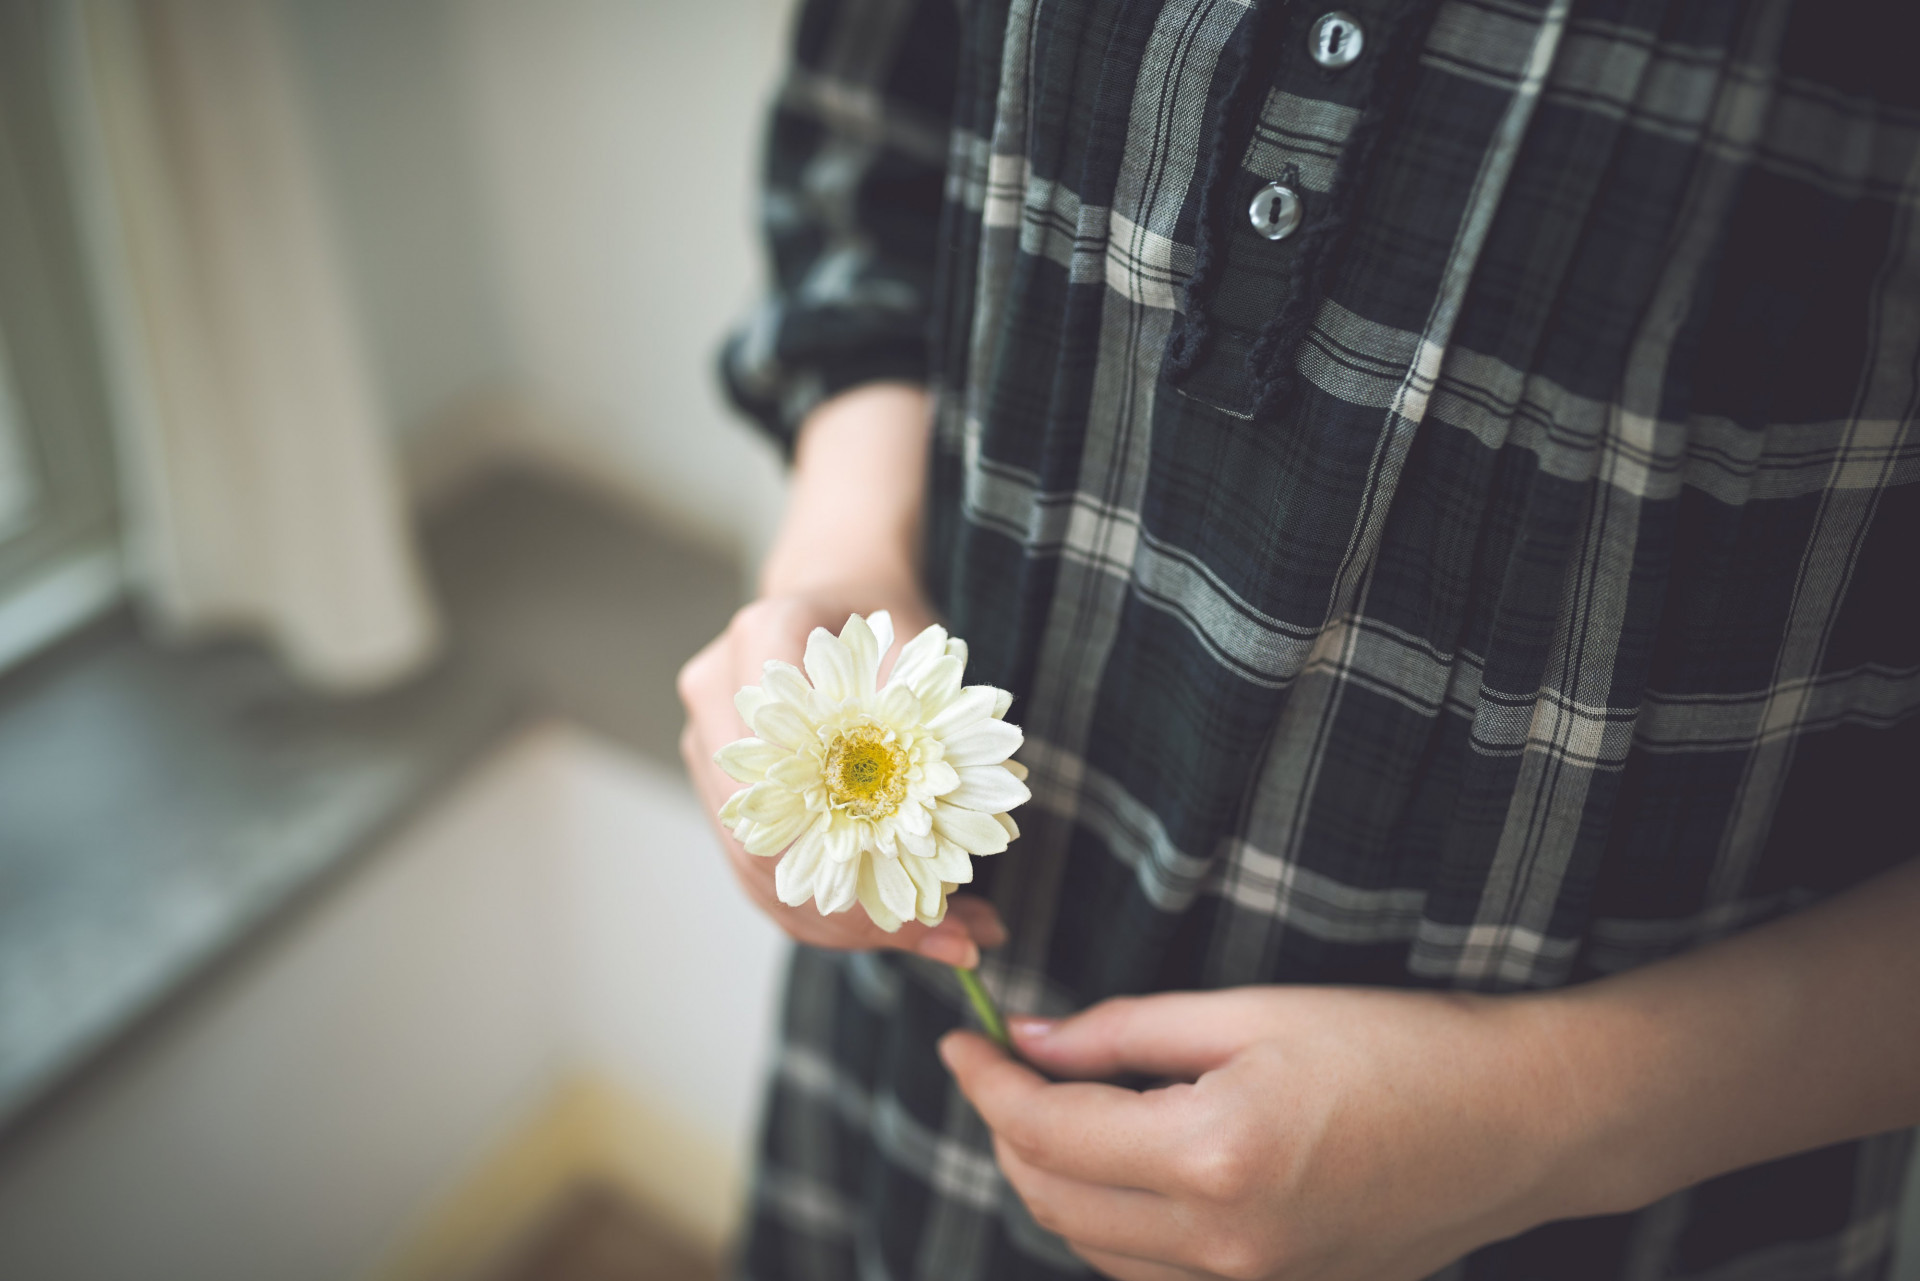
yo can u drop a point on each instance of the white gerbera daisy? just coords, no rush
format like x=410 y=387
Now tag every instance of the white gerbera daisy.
x=876 y=794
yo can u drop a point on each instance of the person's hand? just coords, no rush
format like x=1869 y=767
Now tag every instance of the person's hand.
x=1315 y=1132
x=777 y=627
x=846 y=546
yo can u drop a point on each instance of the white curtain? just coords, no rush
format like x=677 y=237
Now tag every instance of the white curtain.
x=261 y=486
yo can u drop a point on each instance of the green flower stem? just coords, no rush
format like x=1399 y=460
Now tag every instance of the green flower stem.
x=983 y=1008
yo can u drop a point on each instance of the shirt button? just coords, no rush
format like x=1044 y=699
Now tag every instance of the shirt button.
x=1336 y=39
x=1275 y=211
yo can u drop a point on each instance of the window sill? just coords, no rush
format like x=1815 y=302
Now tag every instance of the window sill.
x=161 y=809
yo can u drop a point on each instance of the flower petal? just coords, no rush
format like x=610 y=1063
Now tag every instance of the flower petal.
x=831 y=667
x=873 y=900
x=767 y=801
x=882 y=624
x=988 y=788
x=1006 y=821
x=972 y=831
x=796 y=771
x=939 y=684
x=793 y=876
x=957 y=648
x=939 y=778
x=911 y=819
x=931 y=903
x=896 y=887
x=835 y=884
x=784 y=682
x=844 y=840
x=981 y=743
x=1015 y=768
x=750 y=700
x=768 y=839
x=951 y=864
x=864 y=646
x=899 y=707
x=784 y=724
x=1001 y=702
x=730 y=811
x=749 y=759
x=918 y=654
x=974 y=703
x=916 y=845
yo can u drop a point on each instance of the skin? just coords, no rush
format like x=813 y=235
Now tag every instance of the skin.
x=1356 y=1133
x=1329 y=1133
x=845 y=545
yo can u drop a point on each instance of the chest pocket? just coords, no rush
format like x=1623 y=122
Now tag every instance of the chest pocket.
x=1281 y=161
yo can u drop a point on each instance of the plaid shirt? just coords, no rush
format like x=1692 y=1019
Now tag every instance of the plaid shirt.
x=1562 y=617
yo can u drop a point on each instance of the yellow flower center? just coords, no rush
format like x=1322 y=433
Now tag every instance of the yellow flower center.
x=866 y=772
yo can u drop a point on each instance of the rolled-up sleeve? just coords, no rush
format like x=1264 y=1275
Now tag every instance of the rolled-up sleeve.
x=850 y=207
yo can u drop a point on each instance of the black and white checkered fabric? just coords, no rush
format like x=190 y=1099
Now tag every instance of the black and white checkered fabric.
x=1564 y=617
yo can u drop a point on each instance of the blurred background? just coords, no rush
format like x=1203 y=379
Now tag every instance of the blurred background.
x=363 y=483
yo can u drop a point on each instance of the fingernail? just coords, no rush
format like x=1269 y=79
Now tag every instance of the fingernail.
x=996 y=934
x=1029 y=1029
x=945 y=1049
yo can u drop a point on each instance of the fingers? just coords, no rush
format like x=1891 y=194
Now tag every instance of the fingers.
x=970 y=925
x=706 y=685
x=1124 y=1221
x=979 y=918
x=1084 y=1158
x=1122 y=1268
x=777 y=628
x=1174 y=1034
x=949 y=943
x=1095 y=1133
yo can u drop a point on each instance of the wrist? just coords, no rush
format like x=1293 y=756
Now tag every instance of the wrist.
x=859 y=483
x=1590 y=1101
x=1509 y=1083
x=827 y=562
x=816 y=561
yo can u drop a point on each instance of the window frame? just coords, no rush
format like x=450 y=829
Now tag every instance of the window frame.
x=62 y=566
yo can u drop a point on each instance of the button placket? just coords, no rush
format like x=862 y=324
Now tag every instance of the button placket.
x=1241 y=297
x=1275 y=211
x=1336 y=39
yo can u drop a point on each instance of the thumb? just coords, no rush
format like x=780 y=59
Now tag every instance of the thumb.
x=1173 y=1034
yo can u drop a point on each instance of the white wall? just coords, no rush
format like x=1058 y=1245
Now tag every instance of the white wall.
x=562 y=912
x=550 y=206
x=384 y=92
x=617 y=144
x=671 y=973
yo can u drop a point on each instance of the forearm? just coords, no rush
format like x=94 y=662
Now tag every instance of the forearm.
x=859 y=483
x=1798 y=1034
